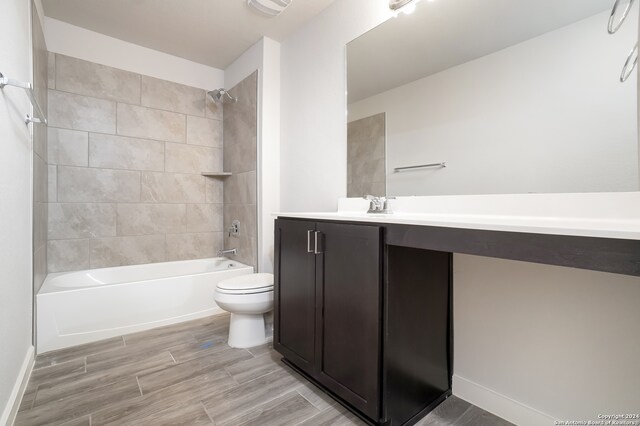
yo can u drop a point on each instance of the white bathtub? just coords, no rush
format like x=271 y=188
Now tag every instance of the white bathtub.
x=85 y=306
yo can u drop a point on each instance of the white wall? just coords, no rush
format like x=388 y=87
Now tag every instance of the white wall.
x=81 y=43
x=564 y=342
x=314 y=104
x=313 y=176
x=264 y=56
x=16 y=205
x=572 y=127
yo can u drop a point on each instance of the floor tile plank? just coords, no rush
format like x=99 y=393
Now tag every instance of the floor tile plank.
x=137 y=410
x=82 y=421
x=253 y=368
x=288 y=409
x=186 y=374
x=192 y=350
x=333 y=416
x=475 y=416
x=446 y=413
x=68 y=354
x=180 y=372
x=102 y=376
x=241 y=399
x=77 y=405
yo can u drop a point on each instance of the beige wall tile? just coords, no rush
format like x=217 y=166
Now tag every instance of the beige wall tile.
x=171 y=96
x=67 y=255
x=204 y=218
x=205 y=132
x=40 y=178
x=146 y=219
x=193 y=246
x=240 y=188
x=118 y=251
x=192 y=159
x=79 y=184
x=69 y=111
x=146 y=123
x=40 y=141
x=126 y=156
x=368 y=170
x=68 y=147
x=366 y=163
x=214 y=110
x=81 y=220
x=240 y=146
x=40 y=211
x=51 y=70
x=119 y=152
x=172 y=188
x=215 y=190
x=240 y=127
x=99 y=81
x=52 y=182
x=240 y=154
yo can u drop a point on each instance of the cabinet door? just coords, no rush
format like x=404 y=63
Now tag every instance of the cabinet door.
x=294 y=293
x=348 y=276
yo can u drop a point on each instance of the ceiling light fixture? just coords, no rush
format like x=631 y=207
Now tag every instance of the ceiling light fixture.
x=404 y=6
x=269 y=7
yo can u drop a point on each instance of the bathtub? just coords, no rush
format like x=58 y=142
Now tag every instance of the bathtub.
x=84 y=306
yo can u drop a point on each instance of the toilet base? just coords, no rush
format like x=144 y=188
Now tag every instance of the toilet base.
x=246 y=330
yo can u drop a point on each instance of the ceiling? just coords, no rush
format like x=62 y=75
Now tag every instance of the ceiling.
x=441 y=34
x=210 y=32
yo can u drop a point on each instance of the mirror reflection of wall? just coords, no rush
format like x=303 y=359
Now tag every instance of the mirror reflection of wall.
x=515 y=96
x=366 y=157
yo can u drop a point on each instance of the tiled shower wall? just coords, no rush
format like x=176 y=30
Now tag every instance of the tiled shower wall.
x=366 y=173
x=240 y=158
x=39 y=155
x=126 y=152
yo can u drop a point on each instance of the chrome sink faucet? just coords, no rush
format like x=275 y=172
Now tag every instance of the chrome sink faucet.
x=378 y=204
x=223 y=252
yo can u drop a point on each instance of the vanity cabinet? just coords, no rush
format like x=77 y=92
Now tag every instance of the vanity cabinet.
x=373 y=334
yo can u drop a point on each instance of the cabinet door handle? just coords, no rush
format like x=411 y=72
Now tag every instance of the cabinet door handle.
x=309 y=249
x=317 y=243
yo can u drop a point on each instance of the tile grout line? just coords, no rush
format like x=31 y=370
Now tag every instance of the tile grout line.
x=297 y=390
x=207 y=412
x=454 y=422
x=139 y=387
x=35 y=395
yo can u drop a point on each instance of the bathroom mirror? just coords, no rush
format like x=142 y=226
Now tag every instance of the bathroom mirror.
x=493 y=96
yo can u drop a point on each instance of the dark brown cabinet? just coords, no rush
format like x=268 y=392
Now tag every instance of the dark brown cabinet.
x=338 y=305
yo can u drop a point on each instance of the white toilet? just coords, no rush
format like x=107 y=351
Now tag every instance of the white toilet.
x=247 y=298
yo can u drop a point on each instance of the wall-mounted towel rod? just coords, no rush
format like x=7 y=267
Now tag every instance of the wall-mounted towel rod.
x=28 y=89
x=421 y=166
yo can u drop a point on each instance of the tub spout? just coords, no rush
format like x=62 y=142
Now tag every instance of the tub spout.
x=232 y=252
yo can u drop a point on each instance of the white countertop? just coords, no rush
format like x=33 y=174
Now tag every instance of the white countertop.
x=606 y=215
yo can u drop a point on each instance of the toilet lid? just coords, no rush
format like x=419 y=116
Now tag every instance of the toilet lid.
x=261 y=282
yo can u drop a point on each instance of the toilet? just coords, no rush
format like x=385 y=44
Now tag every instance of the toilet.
x=247 y=298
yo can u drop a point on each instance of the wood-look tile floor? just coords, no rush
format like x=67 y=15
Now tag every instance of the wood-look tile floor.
x=186 y=374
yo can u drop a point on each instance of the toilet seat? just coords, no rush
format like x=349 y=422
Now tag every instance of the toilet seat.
x=246 y=284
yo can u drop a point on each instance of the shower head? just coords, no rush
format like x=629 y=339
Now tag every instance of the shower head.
x=221 y=95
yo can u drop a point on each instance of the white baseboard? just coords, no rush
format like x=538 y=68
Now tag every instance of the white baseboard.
x=11 y=410
x=498 y=404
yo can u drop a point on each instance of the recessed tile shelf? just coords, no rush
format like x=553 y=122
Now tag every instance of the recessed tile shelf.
x=216 y=174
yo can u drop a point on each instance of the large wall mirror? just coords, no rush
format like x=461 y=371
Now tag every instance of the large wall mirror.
x=493 y=96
